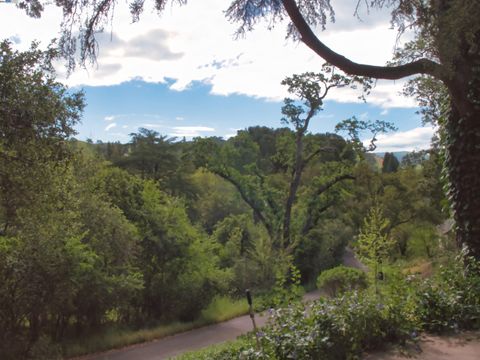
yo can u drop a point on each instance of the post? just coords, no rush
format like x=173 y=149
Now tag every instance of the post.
x=252 y=316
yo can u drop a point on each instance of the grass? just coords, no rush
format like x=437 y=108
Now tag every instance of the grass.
x=223 y=308
x=220 y=309
x=213 y=351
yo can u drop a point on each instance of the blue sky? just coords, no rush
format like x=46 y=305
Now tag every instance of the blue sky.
x=184 y=74
x=113 y=112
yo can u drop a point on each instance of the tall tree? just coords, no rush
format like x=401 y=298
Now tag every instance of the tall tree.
x=39 y=238
x=272 y=197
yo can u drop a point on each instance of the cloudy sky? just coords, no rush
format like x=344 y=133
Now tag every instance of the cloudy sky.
x=184 y=73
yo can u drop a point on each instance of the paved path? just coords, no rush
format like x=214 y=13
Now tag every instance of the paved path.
x=349 y=259
x=190 y=340
x=202 y=337
x=177 y=344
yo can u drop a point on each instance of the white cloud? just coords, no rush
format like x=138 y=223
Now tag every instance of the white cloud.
x=152 y=126
x=110 y=126
x=109 y=118
x=179 y=118
x=414 y=139
x=179 y=46
x=124 y=126
x=190 y=131
x=384 y=112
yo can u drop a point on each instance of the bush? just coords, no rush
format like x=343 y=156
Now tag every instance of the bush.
x=452 y=300
x=332 y=329
x=340 y=279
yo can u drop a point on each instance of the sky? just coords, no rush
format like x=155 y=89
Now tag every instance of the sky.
x=184 y=74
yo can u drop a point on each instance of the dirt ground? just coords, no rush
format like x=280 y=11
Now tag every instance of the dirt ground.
x=465 y=346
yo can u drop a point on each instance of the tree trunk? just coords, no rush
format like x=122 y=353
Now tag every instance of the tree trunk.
x=463 y=164
x=294 y=184
x=463 y=151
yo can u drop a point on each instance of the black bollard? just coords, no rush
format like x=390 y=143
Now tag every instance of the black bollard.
x=252 y=315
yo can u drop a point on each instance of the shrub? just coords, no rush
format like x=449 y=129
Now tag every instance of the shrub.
x=331 y=329
x=340 y=279
x=452 y=300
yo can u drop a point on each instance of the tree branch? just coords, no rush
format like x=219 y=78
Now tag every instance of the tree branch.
x=400 y=222
x=250 y=202
x=332 y=182
x=271 y=203
x=312 y=217
x=422 y=66
x=313 y=221
x=316 y=152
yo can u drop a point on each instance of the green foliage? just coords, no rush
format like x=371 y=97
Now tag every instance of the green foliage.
x=37 y=115
x=335 y=329
x=424 y=240
x=452 y=300
x=216 y=200
x=287 y=289
x=85 y=245
x=374 y=244
x=40 y=238
x=156 y=157
x=178 y=264
x=354 y=128
x=247 y=251
x=223 y=308
x=224 y=351
x=341 y=279
x=322 y=248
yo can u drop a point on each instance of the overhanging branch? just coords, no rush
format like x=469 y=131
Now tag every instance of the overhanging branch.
x=422 y=66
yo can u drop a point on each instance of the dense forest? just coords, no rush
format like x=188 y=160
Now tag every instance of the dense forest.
x=153 y=230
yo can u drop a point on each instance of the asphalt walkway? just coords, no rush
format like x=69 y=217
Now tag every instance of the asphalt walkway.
x=195 y=339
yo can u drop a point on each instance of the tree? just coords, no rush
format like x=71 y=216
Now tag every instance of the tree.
x=40 y=248
x=374 y=244
x=273 y=205
x=444 y=52
x=37 y=116
x=390 y=163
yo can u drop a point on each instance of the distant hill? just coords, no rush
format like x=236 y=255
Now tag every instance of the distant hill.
x=398 y=154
